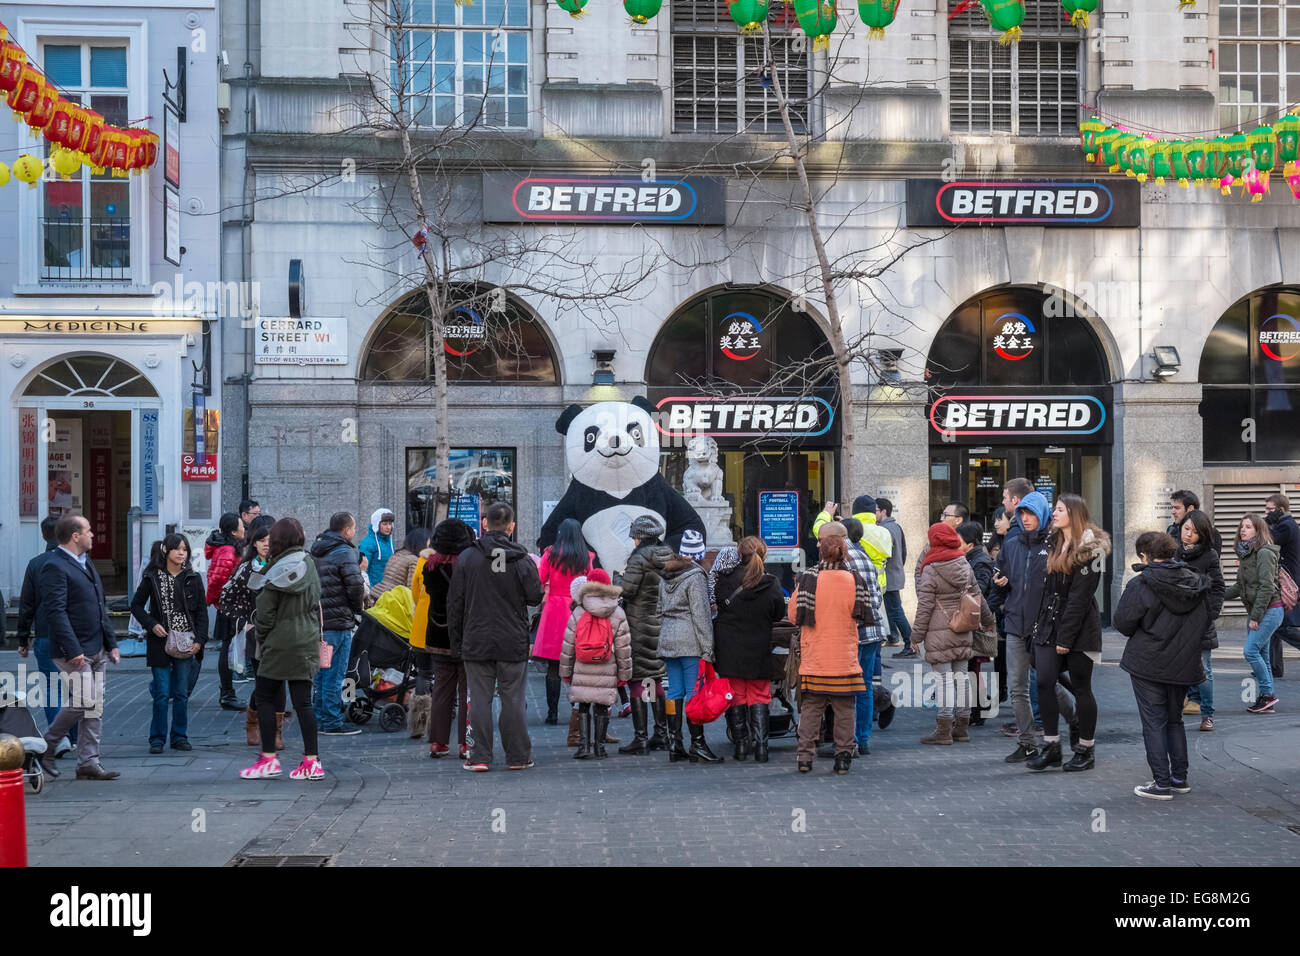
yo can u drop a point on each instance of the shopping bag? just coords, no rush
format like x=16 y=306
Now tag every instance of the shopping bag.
x=712 y=696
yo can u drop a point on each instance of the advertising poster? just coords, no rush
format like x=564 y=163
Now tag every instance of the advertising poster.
x=65 y=467
x=778 y=518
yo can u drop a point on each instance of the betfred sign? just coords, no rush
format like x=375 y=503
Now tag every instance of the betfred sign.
x=981 y=417
x=685 y=416
x=933 y=202
x=192 y=471
x=692 y=200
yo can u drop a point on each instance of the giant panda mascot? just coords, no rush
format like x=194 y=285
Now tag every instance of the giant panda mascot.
x=612 y=450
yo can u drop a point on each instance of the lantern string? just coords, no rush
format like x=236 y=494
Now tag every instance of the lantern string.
x=1120 y=120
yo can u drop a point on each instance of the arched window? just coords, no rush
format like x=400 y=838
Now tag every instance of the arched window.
x=1250 y=371
x=100 y=375
x=751 y=338
x=486 y=340
x=1018 y=336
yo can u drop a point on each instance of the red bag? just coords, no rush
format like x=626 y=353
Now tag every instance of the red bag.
x=712 y=696
x=593 y=639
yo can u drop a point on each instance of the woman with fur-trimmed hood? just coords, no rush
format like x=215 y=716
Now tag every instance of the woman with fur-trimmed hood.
x=1067 y=630
x=594 y=686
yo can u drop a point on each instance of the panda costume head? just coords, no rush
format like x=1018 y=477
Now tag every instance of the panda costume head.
x=612 y=452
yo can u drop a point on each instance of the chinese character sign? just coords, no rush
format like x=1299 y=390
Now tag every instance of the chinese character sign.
x=149 y=461
x=101 y=501
x=27 y=475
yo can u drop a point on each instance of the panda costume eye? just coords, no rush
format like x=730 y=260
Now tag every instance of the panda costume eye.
x=636 y=434
x=589 y=437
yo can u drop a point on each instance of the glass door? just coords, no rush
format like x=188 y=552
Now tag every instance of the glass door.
x=985 y=476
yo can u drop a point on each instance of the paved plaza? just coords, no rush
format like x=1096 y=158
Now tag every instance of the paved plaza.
x=384 y=802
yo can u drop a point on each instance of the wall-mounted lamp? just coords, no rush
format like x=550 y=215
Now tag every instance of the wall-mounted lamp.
x=603 y=374
x=1167 y=361
x=888 y=363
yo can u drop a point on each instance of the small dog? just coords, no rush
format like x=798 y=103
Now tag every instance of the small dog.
x=421 y=708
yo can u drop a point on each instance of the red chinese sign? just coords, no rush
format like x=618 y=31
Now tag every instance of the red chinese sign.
x=191 y=471
x=101 y=501
x=28 y=492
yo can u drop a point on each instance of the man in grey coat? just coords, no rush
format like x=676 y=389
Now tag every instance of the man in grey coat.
x=900 y=631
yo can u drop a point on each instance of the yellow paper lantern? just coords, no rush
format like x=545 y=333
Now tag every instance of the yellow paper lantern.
x=4 y=175
x=28 y=169
x=64 y=162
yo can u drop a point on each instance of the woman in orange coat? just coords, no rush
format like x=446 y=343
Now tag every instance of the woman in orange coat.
x=828 y=604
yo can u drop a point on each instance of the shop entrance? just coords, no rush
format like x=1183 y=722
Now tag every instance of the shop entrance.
x=975 y=476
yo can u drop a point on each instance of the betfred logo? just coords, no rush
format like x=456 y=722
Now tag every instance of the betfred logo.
x=1024 y=202
x=465 y=331
x=685 y=415
x=1279 y=337
x=603 y=199
x=1014 y=334
x=1022 y=415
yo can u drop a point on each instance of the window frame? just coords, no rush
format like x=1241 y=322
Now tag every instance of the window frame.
x=459 y=31
x=722 y=31
x=1232 y=44
x=34 y=33
x=974 y=31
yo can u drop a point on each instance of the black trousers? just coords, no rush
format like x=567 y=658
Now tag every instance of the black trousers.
x=1160 y=707
x=224 y=630
x=552 y=687
x=270 y=701
x=1049 y=666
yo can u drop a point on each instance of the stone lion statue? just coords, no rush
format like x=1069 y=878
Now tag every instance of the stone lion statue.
x=703 y=478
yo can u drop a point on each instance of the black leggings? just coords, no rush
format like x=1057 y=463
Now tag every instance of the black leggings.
x=270 y=701
x=1050 y=665
x=552 y=687
x=601 y=710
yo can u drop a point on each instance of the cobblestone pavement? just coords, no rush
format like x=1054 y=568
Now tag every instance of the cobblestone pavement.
x=384 y=802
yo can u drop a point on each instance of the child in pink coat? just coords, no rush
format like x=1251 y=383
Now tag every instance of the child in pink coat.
x=561 y=563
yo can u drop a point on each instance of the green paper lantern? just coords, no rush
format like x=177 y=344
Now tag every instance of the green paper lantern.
x=1088 y=131
x=1159 y=158
x=876 y=15
x=1263 y=148
x=573 y=8
x=1006 y=15
x=642 y=10
x=1078 y=11
x=1106 y=152
x=1123 y=156
x=1288 y=144
x=749 y=15
x=1197 y=164
x=1237 y=150
x=1178 y=162
x=1139 y=155
x=818 y=19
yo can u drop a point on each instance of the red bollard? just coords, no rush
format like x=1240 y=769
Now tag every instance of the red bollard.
x=13 y=819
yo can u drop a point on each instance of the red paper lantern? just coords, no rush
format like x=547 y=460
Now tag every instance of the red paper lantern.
x=12 y=61
x=59 y=128
x=94 y=132
x=43 y=111
x=26 y=92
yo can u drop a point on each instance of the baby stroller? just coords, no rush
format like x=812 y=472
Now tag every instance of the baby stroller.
x=382 y=644
x=780 y=722
x=16 y=718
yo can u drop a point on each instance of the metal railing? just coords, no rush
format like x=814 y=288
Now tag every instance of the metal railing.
x=86 y=249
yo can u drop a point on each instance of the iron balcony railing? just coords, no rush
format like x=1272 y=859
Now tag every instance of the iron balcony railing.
x=86 y=249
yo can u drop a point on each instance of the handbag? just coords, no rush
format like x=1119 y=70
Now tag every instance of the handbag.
x=967 y=616
x=326 y=648
x=180 y=644
x=712 y=696
x=1051 y=621
x=1286 y=584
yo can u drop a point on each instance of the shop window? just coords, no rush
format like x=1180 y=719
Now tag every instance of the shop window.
x=457 y=64
x=750 y=339
x=1030 y=88
x=487 y=340
x=90 y=375
x=485 y=474
x=86 y=219
x=718 y=85
x=1016 y=337
x=1250 y=372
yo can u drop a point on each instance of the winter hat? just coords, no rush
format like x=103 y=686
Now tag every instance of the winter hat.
x=692 y=545
x=864 y=503
x=646 y=526
x=598 y=576
x=452 y=536
x=382 y=514
x=832 y=529
x=575 y=586
x=943 y=536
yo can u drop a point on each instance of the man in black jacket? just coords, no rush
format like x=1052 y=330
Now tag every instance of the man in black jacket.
x=30 y=618
x=487 y=619
x=81 y=643
x=1181 y=504
x=342 y=598
x=1286 y=535
x=1164 y=612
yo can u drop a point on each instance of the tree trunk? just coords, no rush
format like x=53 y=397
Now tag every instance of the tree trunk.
x=838 y=345
x=435 y=292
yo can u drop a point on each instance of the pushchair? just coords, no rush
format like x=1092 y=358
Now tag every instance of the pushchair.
x=16 y=718
x=782 y=722
x=381 y=644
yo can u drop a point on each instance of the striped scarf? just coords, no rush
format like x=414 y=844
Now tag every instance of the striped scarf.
x=806 y=599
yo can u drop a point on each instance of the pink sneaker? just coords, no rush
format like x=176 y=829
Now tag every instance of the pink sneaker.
x=266 y=766
x=308 y=770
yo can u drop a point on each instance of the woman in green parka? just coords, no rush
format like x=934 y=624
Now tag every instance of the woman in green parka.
x=288 y=640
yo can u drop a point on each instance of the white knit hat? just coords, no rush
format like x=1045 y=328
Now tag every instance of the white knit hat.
x=692 y=545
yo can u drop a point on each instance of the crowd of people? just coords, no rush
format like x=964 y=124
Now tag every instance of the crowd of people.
x=1016 y=609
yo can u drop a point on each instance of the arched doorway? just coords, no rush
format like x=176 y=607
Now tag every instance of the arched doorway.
x=743 y=368
x=84 y=421
x=1019 y=387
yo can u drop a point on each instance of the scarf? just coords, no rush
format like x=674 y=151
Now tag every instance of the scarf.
x=1244 y=549
x=944 y=545
x=806 y=599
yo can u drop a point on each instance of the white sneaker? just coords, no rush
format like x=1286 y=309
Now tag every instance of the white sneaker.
x=344 y=731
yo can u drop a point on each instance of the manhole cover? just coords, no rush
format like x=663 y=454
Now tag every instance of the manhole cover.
x=278 y=860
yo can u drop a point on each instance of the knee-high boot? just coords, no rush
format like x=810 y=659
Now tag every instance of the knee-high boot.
x=738 y=726
x=640 y=722
x=676 y=750
x=659 y=739
x=758 y=723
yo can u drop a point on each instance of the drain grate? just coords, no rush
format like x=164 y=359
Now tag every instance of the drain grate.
x=279 y=860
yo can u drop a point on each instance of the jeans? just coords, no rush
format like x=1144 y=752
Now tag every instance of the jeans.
x=41 y=648
x=1019 y=687
x=897 y=617
x=682 y=675
x=1256 y=650
x=1203 y=693
x=171 y=684
x=954 y=688
x=196 y=665
x=863 y=712
x=1160 y=707
x=508 y=680
x=328 y=696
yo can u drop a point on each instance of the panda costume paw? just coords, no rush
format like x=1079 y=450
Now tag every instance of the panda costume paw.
x=612 y=451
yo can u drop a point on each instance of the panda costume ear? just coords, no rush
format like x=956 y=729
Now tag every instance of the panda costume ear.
x=643 y=403
x=566 y=418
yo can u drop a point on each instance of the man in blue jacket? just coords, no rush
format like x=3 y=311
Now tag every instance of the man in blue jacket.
x=1023 y=563
x=81 y=643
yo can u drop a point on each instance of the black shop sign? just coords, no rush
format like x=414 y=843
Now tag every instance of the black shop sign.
x=1114 y=204
x=1003 y=416
x=689 y=201
x=806 y=419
